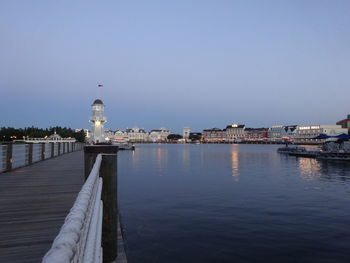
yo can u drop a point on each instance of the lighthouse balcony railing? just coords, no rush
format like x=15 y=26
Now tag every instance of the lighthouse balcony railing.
x=98 y=118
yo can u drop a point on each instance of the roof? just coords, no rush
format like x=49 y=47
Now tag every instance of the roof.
x=241 y=126
x=212 y=130
x=342 y=121
x=98 y=101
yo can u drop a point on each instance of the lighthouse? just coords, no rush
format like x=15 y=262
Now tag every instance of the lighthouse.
x=98 y=119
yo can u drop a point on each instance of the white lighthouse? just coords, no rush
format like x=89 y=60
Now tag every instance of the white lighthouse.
x=98 y=119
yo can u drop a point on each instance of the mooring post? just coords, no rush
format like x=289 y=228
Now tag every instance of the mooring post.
x=108 y=171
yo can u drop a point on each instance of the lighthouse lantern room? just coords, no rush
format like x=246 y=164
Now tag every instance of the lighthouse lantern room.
x=98 y=119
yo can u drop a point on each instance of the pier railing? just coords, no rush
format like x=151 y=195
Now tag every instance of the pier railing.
x=89 y=232
x=80 y=238
x=14 y=155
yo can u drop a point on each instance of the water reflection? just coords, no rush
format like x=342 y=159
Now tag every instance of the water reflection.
x=186 y=158
x=161 y=155
x=335 y=170
x=309 y=168
x=235 y=164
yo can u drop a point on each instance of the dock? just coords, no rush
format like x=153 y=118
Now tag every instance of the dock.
x=34 y=201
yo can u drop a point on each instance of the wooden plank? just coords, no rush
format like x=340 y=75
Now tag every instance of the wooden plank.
x=34 y=200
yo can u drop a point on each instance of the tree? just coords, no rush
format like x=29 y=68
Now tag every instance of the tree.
x=195 y=136
x=80 y=136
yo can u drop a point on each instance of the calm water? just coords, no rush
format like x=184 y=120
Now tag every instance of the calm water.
x=233 y=203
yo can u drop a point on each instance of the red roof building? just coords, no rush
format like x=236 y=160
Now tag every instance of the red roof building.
x=345 y=123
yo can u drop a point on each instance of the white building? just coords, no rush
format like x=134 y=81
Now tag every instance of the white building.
x=186 y=132
x=306 y=133
x=97 y=119
x=235 y=132
x=109 y=135
x=120 y=136
x=52 y=138
x=137 y=135
x=280 y=132
x=160 y=135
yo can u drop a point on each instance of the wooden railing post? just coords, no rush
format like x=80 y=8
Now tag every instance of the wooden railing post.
x=108 y=171
x=9 y=157
x=52 y=149
x=42 y=151
x=30 y=154
x=91 y=152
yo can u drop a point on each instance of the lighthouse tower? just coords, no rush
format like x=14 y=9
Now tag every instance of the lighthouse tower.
x=98 y=119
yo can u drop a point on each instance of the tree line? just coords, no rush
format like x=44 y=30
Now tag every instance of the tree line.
x=10 y=133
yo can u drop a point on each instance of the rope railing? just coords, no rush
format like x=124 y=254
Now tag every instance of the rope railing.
x=79 y=239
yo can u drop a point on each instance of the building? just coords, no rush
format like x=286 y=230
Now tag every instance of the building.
x=345 y=123
x=214 y=135
x=97 y=119
x=109 y=135
x=186 y=132
x=55 y=137
x=255 y=134
x=307 y=133
x=280 y=132
x=235 y=132
x=137 y=135
x=120 y=136
x=159 y=135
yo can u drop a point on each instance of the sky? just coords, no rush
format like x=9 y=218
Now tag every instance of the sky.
x=172 y=64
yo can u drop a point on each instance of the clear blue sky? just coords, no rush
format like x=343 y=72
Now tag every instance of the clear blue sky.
x=198 y=63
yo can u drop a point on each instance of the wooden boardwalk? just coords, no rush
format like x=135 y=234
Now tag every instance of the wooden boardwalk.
x=34 y=201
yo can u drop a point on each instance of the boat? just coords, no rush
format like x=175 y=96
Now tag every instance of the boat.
x=125 y=146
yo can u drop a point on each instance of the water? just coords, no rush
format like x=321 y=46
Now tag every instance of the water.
x=232 y=203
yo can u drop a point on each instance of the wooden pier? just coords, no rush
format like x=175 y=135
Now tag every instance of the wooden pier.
x=34 y=201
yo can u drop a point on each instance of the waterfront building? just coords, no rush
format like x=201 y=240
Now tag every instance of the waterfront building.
x=214 y=135
x=137 y=135
x=345 y=123
x=255 y=134
x=306 y=133
x=235 y=132
x=97 y=119
x=280 y=132
x=55 y=137
x=159 y=135
x=120 y=136
x=109 y=135
x=186 y=132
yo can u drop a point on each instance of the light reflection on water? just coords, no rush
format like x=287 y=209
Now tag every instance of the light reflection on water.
x=232 y=203
x=309 y=168
x=235 y=163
